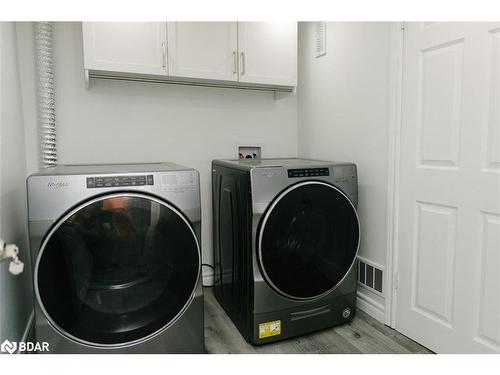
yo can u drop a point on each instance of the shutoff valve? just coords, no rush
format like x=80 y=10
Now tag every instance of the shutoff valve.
x=11 y=251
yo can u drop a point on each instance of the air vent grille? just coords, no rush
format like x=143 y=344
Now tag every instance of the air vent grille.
x=320 y=39
x=370 y=275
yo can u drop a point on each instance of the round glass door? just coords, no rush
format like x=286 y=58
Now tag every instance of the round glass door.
x=308 y=240
x=117 y=269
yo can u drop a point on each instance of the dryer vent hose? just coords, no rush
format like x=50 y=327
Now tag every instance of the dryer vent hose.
x=45 y=93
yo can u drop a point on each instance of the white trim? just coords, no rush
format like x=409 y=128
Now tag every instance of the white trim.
x=2 y=26
x=372 y=290
x=395 y=122
x=208 y=278
x=370 y=306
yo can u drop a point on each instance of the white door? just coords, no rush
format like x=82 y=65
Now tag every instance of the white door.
x=448 y=297
x=268 y=52
x=206 y=50
x=126 y=47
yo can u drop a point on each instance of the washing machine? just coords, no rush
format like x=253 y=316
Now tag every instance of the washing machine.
x=286 y=235
x=116 y=258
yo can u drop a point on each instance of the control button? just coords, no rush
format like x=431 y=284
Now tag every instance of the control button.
x=117 y=181
x=309 y=172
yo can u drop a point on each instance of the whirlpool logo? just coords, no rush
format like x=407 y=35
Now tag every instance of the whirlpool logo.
x=57 y=184
x=11 y=347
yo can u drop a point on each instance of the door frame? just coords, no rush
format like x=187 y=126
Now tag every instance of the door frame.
x=396 y=71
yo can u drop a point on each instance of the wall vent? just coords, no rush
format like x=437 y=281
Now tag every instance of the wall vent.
x=320 y=39
x=370 y=275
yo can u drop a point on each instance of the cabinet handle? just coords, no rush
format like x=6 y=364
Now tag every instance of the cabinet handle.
x=242 y=63
x=235 y=62
x=164 y=52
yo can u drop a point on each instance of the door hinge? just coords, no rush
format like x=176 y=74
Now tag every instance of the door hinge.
x=396 y=281
x=403 y=26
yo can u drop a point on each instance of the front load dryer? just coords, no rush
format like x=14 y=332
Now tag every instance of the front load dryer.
x=116 y=258
x=286 y=237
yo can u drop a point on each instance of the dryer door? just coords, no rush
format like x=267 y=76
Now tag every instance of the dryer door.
x=117 y=270
x=308 y=240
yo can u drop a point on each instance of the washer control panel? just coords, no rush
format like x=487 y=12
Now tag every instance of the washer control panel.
x=119 y=181
x=308 y=172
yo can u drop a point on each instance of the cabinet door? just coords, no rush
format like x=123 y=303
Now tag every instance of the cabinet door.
x=206 y=50
x=268 y=53
x=126 y=47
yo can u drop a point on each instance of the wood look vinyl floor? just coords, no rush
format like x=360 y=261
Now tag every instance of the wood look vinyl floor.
x=362 y=335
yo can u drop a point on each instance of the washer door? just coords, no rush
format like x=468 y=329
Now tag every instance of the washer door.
x=117 y=269
x=308 y=240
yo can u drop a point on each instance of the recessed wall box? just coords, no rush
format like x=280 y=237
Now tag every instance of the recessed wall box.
x=249 y=152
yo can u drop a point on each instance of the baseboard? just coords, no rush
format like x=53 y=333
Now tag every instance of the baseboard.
x=373 y=308
x=208 y=278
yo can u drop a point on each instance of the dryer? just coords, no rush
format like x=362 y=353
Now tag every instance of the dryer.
x=286 y=237
x=116 y=258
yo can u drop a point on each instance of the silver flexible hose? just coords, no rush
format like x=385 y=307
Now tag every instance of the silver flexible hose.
x=45 y=94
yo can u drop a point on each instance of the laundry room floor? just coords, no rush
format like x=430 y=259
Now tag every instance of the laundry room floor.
x=362 y=335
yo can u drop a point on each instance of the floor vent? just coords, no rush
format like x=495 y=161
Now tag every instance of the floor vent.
x=370 y=276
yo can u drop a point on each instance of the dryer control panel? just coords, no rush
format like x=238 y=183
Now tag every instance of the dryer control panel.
x=119 y=181
x=308 y=172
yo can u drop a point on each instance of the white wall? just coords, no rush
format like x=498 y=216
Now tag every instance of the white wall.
x=341 y=109
x=116 y=122
x=15 y=291
x=343 y=115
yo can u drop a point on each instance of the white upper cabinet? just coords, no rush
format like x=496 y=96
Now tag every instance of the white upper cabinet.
x=125 y=47
x=237 y=53
x=268 y=53
x=204 y=50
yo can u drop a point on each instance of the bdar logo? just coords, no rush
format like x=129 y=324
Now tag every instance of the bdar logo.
x=8 y=347
x=24 y=347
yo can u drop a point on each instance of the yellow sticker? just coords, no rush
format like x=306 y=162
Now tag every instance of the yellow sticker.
x=269 y=329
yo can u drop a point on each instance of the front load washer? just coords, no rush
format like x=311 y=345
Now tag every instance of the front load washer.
x=116 y=258
x=286 y=237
